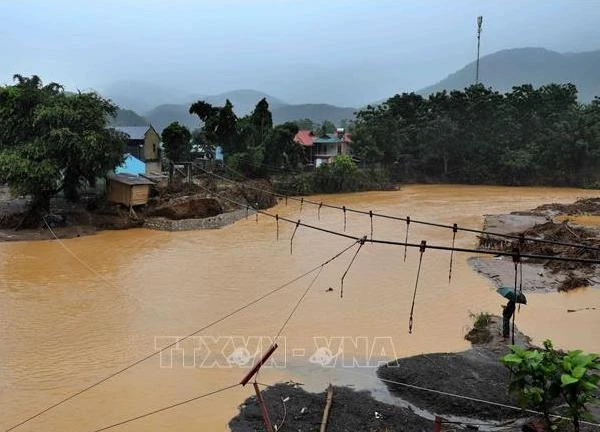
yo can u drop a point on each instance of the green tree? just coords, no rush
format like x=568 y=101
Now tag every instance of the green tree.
x=280 y=148
x=226 y=132
x=478 y=135
x=326 y=127
x=262 y=120
x=54 y=141
x=305 y=124
x=177 y=140
x=339 y=175
x=209 y=115
x=220 y=125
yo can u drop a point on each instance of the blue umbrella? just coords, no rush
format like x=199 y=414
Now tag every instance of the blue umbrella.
x=509 y=293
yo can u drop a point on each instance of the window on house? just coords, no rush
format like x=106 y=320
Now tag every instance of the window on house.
x=154 y=148
x=339 y=149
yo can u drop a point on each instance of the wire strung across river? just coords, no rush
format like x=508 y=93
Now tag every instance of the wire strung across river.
x=154 y=353
x=407 y=244
x=168 y=407
x=407 y=219
x=360 y=240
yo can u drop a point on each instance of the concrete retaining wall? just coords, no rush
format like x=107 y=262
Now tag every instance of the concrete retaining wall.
x=219 y=221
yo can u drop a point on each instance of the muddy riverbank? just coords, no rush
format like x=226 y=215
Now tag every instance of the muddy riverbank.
x=466 y=390
x=559 y=223
x=174 y=208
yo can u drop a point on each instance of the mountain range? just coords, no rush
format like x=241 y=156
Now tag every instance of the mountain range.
x=243 y=102
x=501 y=71
x=507 y=68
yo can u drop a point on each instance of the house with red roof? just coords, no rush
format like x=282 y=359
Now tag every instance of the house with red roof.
x=323 y=148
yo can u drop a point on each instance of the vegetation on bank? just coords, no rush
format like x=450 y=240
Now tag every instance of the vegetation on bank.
x=58 y=141
x=52 y=141
x=251 y=144
x=544 y=378
x=529 y=136
x=341 y=175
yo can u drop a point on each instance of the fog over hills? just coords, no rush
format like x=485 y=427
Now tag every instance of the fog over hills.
x=502 y=70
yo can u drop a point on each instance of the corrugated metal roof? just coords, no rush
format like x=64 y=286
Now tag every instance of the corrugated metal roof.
x=327 y=139
x=134 y=132
x=129 y=179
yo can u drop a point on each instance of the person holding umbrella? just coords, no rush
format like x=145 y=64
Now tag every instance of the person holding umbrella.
x=509 y=309
x=507 y=313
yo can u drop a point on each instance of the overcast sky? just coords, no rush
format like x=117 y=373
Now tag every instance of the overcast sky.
x=341 y=52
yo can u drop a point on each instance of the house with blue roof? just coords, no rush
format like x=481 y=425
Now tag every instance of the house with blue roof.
x=143 y=143
x=131 y=165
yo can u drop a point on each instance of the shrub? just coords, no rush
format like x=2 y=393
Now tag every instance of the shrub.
x=542 y=377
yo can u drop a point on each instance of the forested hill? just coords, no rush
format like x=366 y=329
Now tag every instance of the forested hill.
x=163 y=115
x=160 y=107
x=538 y=66
x=127 y=117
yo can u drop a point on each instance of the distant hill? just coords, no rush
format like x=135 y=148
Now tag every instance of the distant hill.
x=163 y=115
x=127 y=117
x=504 y=69
x=243 y=100
x=140 y=96
x=315 y=112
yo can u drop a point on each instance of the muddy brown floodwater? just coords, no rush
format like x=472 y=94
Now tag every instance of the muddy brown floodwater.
x=62 y=326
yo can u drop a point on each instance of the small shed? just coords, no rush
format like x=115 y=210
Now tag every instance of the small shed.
x=129 y=190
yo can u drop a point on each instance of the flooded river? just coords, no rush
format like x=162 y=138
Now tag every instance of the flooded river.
x=65 y=325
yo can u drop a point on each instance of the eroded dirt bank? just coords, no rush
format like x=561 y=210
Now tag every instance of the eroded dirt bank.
x=177 y=207
x=577 y=223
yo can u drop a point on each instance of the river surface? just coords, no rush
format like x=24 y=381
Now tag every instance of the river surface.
x=65 y=325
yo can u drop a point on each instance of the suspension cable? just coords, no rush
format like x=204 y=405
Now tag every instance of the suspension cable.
x=179 y=340
x=418 y=245
x=406 y=219
x=168 y=407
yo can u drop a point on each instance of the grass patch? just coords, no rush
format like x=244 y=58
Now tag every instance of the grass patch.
x=480 y=333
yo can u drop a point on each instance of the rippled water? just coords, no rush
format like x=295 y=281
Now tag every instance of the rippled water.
x=64 y=327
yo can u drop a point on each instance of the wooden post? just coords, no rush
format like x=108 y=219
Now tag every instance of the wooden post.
x=327 y=408
x=256 y=367
x=437 y=424
x=263 y=409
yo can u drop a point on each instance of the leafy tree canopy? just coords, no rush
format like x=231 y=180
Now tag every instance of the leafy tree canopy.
x=177 y=141
x=526 y=136
x=52 y=141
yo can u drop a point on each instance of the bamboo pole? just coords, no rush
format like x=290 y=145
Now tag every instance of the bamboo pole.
x=327 y=408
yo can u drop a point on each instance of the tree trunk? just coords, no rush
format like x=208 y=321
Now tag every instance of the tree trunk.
x=33 y=217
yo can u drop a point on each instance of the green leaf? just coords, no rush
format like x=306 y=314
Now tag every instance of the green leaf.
x=511 y=359
x=579 y=371
x=566 y=379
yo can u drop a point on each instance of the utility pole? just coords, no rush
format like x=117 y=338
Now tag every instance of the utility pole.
x=479 y=22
